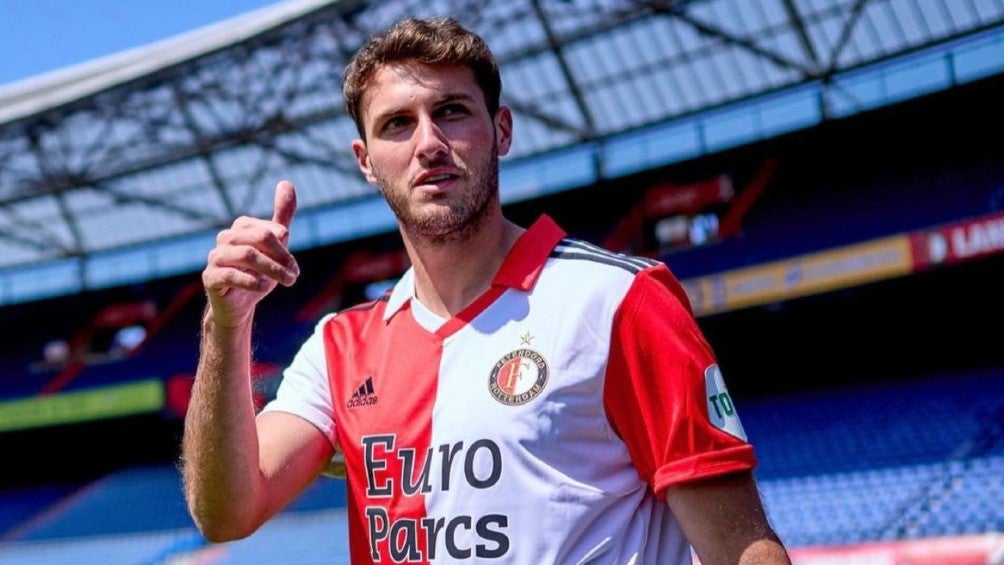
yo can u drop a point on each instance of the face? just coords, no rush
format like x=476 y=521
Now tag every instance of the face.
x=432 y=148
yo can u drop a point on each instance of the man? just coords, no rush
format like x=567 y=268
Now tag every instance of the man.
x=519 y=396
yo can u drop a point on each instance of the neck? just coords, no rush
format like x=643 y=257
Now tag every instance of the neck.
x=449 y=275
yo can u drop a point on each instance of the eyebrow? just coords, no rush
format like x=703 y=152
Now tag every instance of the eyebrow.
x=446 y=99
x=458 y=97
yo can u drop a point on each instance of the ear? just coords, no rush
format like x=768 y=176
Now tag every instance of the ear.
x=363 y=160
x=503 y=129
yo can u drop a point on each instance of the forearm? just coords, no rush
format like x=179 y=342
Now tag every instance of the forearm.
x=220 y=446
x=725 y=522
x=767 y=551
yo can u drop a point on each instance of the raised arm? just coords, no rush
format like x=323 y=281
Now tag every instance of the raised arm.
x=239 y=471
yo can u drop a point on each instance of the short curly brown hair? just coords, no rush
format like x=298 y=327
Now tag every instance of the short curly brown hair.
x=432 y=41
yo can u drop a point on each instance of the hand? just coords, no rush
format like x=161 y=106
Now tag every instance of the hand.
x=251 y=257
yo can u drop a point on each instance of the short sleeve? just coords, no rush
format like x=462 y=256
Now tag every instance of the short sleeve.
x=304 y=389
x=664 y=393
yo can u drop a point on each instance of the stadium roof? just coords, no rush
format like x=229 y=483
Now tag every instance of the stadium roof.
x=169 y=142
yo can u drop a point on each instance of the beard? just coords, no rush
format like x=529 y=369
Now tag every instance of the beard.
x=456 y=222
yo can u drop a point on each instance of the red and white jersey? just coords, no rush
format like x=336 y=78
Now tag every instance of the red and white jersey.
x=542 y=424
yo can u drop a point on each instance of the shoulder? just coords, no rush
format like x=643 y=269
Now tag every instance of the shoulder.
x=362 y=308
x=586 y=265
x=581 y=271
x=633 y=278
x=576 y=250
x=354 y=317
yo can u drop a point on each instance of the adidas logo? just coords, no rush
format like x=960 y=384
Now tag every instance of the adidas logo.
x=363 y=396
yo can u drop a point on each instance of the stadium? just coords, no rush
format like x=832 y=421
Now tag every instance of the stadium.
x=823 y=176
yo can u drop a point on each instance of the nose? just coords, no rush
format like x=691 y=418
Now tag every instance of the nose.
x=430 y=143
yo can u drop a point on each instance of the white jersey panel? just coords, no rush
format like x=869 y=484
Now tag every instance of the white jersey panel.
x=520 y=403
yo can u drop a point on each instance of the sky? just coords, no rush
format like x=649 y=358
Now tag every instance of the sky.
x=38 y=36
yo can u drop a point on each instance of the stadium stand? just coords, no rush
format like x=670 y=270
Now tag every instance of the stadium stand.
x=877 y=406
x=838 y=467
x=864 y=463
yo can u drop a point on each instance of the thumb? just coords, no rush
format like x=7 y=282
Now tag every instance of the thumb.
x=285 y=203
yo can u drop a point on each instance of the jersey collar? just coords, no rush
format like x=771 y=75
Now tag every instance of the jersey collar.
x=520 y=269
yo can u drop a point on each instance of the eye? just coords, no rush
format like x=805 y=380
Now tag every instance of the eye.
x=394 y=123
x=455 y=109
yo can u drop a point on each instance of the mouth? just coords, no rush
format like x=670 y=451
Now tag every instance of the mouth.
x=435 y=179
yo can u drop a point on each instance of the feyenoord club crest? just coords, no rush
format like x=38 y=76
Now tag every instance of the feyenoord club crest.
x=518 y=377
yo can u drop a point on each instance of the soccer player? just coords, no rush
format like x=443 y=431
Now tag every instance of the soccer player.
x=519 y=396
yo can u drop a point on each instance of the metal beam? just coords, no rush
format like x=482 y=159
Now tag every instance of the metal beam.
x=674 y=10
x=557 y=48
x=845 y=36
x=798 y=24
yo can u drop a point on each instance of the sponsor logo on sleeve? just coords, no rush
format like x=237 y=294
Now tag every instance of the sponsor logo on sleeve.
x=721 y=411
